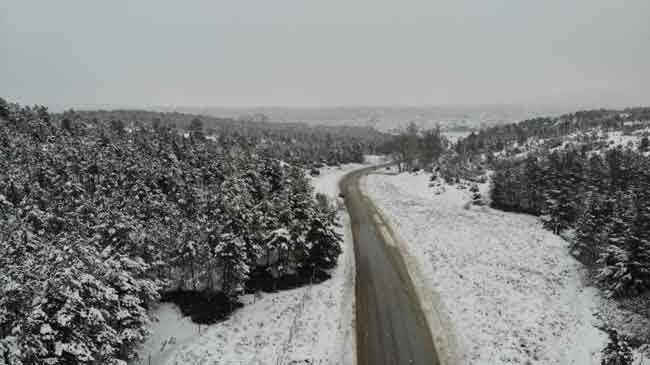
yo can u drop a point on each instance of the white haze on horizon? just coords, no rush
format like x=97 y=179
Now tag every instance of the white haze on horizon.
x=76 y=53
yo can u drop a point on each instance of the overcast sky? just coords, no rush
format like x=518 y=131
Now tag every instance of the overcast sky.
x=325 y=52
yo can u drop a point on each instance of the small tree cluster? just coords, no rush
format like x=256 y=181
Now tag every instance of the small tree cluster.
x=413 y=148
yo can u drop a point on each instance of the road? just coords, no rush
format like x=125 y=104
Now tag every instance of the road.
x=391 y=327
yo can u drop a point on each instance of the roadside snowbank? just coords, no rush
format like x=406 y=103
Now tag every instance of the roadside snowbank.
x=311 y=324
x=513 y=292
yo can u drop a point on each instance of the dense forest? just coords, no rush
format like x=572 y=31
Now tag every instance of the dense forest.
x=605 y=198
x=595 y=191
x=293 y=143
x=100 y=218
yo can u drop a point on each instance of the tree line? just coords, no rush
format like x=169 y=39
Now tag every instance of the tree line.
x=293 y=143
x=97 y=220
x=412 y=148
x=604 y=196
x=553 y=129
x=596 y=190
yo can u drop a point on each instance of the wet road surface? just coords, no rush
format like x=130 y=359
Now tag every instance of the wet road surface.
x=391 y=327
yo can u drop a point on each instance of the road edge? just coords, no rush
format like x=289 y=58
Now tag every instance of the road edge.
x=440 y=325
x=349 y=356
x=350 y=338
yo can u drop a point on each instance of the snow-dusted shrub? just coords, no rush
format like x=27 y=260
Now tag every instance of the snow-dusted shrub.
x=617 y=351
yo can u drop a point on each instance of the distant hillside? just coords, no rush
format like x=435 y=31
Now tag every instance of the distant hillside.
x=212 y=124
x=296 y=143
x=384 y=118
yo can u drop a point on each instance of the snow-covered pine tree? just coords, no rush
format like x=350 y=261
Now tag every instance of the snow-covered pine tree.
x=302 y=204
x=278 y=243
x=626 y=258
x=560 y=208
x=591 y=228
x=556 y=210
x=232 y=256
x=533 y=173
x=598 y=174
x=323 y=242
x=498 y=186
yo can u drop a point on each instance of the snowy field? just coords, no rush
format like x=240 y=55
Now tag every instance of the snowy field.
x=307 y=325
x=513 y=292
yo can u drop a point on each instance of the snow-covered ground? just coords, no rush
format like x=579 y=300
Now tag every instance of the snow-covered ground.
x=618 y=138
x=169 y=330
x=454 y=136
x=307 y=325
x=513 y=292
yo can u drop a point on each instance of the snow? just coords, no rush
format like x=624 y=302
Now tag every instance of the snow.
x=168 y=331
x=513 y=292
x=641 y=357
x=311 y=324
x=618 y=138
x=327 y=182
x=454 y=136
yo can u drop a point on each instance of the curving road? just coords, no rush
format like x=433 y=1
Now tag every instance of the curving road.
x=391 y=327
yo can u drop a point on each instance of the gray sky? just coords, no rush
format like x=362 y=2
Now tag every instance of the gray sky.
x=325 y=52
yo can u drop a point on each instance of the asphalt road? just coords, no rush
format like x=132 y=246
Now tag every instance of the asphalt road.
x=391 y=327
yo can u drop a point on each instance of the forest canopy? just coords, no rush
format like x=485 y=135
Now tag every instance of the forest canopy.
x=100 y=216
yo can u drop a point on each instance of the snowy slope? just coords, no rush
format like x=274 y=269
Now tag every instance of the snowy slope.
x=312 y=324
x=513 y=292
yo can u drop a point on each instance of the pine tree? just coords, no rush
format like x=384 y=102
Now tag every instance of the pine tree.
x=557 y=211
x=278 y=244
x=598 y=174
x=533 y=186
x=498 y=186
x=4 y=109
x=591 y=228
x=323 y=242
x=626 y=258
x=231 y=253
x=560 y=210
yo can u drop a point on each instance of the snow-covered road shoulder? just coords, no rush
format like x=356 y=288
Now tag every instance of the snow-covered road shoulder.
x=442 y=330
x=513 y=292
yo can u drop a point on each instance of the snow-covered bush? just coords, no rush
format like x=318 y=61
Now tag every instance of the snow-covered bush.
x=617 y=351
x=477 y=199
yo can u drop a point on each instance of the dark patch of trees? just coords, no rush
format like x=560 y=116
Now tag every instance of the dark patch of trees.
x=413 y=148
